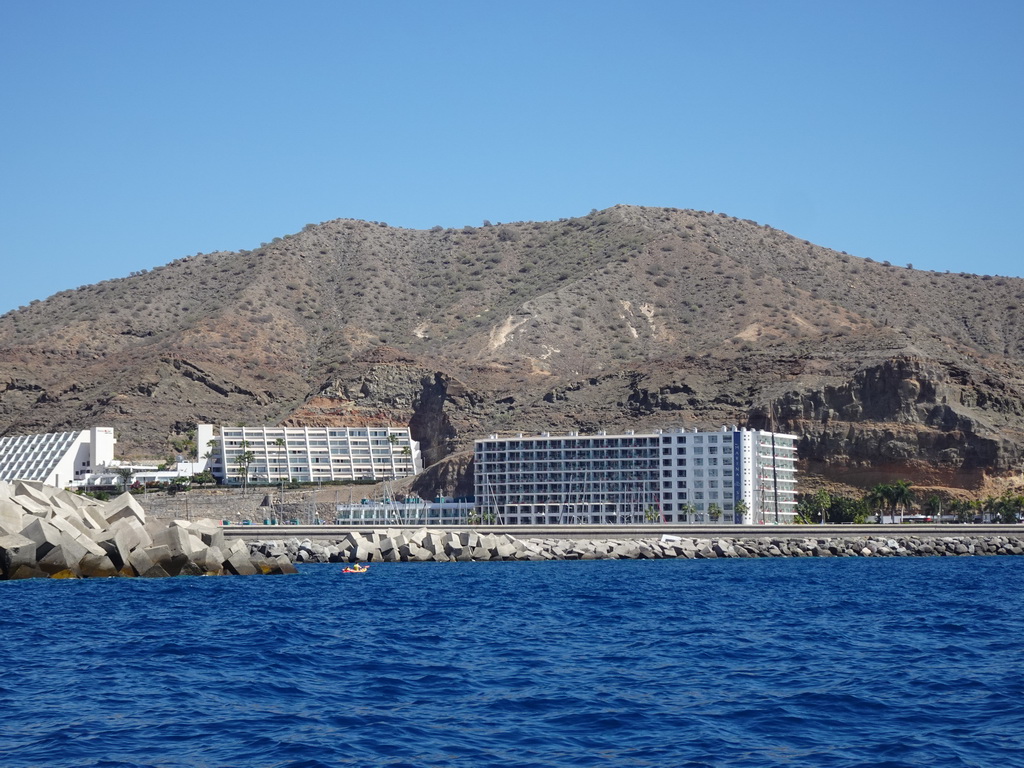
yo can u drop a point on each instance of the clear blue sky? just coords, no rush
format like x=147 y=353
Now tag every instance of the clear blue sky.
x=134 y=133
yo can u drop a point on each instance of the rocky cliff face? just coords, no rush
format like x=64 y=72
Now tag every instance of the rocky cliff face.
x=630 y=318
x=931 y=423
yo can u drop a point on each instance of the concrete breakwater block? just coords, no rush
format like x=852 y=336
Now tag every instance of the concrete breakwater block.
x=48 y=532
x=425 y=545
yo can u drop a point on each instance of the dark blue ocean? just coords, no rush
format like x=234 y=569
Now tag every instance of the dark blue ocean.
x=788 y=662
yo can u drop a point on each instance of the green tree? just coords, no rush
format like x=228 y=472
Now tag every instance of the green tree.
x=203 y=478
x=280 y=444
x=878 y=499
x=742 y=510
x=933 y=506
x=814 y=508
x=901 y=497
x=962 y=510
x=1007 y=508
x=846 y=510
x=124 y=474
x=714 y=511
x=651 y=514
x=243 y=461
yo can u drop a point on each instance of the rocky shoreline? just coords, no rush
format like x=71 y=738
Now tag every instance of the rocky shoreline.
x=46 y=532
x=425 y=545
x=49 y=533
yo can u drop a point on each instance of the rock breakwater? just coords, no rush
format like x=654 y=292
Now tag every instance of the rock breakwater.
x=426 y=545
x=48 y=532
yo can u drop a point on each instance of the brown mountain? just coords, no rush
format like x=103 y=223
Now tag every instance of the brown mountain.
x=627 y=318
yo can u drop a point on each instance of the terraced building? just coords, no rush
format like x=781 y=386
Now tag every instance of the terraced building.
x=56 y=458
x=307 y=454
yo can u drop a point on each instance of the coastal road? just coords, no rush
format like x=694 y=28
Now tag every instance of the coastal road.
x=331 y=532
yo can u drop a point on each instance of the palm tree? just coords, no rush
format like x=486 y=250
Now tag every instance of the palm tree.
x=714 y=511
x=962 y=510
x=125 y=473
x=243 y=461
x=1011 y=505
x=742 y=510
x=878 y=499
x=279 y=443
x=933 y=506
x=900 y=496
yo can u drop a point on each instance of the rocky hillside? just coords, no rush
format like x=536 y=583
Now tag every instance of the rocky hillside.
x=626 y=318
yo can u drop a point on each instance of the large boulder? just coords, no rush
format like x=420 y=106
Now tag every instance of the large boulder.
x=124 y=506
x=16 y=551
x=49 y=532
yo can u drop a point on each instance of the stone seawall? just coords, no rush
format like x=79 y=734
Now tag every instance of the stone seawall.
x=424 y=545
x=46 y=532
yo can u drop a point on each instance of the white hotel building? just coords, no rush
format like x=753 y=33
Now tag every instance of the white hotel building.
x=674 y=476
x=57 y=458
x=308 y=454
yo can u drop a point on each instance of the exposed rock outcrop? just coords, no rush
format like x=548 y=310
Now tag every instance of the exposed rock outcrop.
x=627 y=318
x=906 y=415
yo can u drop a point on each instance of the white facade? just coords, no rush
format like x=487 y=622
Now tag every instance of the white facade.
x=109 y=475
x=58 y=458
x=410 y=512
x=308 y=454
x=674 y=476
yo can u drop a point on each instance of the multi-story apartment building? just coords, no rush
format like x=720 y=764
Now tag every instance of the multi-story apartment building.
x=57 y=458
x=732 y=475
x=308 y=454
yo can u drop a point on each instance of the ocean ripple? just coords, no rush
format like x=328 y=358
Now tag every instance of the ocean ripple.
x=833 y=662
